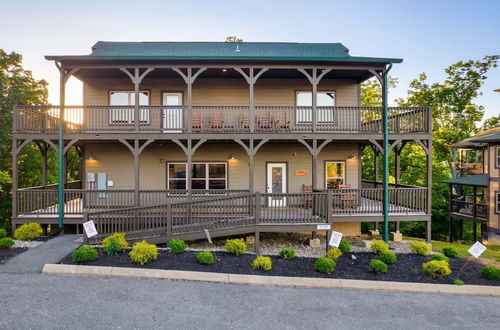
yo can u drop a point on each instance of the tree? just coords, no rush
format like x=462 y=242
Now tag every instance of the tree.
x=233 y=39
x=491 y=122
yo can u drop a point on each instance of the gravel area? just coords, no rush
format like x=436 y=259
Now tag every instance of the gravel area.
x=26 y=244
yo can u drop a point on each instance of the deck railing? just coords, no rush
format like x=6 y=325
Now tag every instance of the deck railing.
x=218 y=119
x=469 y=209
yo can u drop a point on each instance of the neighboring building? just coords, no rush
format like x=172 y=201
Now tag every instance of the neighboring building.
x=475 y=195
x=220 y=122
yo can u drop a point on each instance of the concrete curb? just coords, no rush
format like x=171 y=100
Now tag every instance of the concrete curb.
x=303 y=282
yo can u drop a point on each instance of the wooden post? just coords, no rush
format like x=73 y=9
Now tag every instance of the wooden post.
x=168 y=216
x=375 y=164
x=136 y=173
x=137 y=118
x=14 y=178
x=189 y=83
x=314 y=100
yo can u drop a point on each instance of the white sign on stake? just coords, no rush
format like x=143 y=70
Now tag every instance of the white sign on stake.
x=477 y=249
x=207 y=233
x=90 y=229
x=335 y=239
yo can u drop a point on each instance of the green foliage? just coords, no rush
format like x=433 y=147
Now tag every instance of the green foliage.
x=388 y=257
x=235 y=246
x=233 y=39
x=490 y=272
x=420 y=248
x=177 y=246
x=440 y=257
x=115 y=244
x=205 y=258
x=143 y=252
x=334 y=253
x=287 y=254
x=28 y=231
x=84 y=253
x=379 y=246
x=6 y=242
x=377 y=266
x=324 y=265
x=458 y=282
x=491 y=122
x=3 y=233
x=263 y=263
x=451 y=251
x=436 y=268
x=344 y=246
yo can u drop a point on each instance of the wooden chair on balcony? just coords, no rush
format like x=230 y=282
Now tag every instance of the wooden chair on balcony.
x=196 y=121
x=244 y=121
x=308 y=201
x=263 y=122
x=216 y=121
x=279 y=121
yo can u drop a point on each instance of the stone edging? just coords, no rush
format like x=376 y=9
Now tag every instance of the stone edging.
x=303 y=282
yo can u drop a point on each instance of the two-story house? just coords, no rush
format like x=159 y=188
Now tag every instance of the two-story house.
x=177 y=137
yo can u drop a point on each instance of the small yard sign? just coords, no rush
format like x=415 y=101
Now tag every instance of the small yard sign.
x=477 y=249
x=207 y=233
x=90 y=229
x=335 y=239
x=323 y=227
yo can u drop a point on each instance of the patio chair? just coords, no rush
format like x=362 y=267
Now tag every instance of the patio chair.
x=196 y=121
x=263 y=122
x=244 y=121
x=279 y=121
x=308 y=200
x=216 y=121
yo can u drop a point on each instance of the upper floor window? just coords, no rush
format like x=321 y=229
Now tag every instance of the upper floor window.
x=126 y=114
x=323 y=100
x=497 y=202
x=334 y=174
x=497 y=158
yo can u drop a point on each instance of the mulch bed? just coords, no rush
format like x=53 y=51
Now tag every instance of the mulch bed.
x=407 y=269
x=10 y=252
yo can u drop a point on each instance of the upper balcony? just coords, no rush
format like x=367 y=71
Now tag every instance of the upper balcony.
x=219 y=119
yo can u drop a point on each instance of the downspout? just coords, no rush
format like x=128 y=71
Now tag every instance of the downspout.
x=385 y=111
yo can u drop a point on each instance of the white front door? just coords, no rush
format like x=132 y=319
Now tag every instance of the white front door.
x=276 y=183
x=172 y=113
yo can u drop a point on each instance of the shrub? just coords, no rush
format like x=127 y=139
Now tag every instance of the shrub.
x=205 y=258
x=3 y=233
x=388 y=257
x=450 y=251
x=115 y=244
x=235 y=246
x=440 y=257
x=334 y=253
x=436 y=268
x=6 y=242
x=420 y=248
x=458 y=282
x=177 y=246
x=324 y=265
x=84 y=253
x=344 y=246
x=378 y=246
x=490 y=273
x=143 y=252
x=28 y=231
x=263 y=263
x=287 y=254
x=377 y=266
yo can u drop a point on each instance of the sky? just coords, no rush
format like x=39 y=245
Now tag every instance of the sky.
x=428 y=35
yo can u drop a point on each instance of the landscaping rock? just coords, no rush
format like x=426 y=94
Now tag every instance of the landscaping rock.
x=396 y=236
x=353 y=257
x=250 y=240
x=314 y=242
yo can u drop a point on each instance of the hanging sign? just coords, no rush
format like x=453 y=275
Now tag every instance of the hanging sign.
x=335 y=239
x=207 y=233
x=90 y=229
x=477 y=249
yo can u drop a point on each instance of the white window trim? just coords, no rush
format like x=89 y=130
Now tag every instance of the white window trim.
x=326 y=171
x=302 y=118
x=131 y=96
x=207 y=178
x=497 y=157
x=497 y=202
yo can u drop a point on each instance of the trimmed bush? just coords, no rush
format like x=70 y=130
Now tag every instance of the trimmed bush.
x=450 y=251
x=440 y=257
x=143 y=252
x=235 y=246
x=344 y=246
x=84 y=253
x=388 y=257
x=263 y=263
x=334 y=253
x=6 y=242
x=436 y=268
x=115 y=244
x=458 y=282
x=3 y=233
x=177 y=246
x=379 y=246
x=28 y=231
x=490 y=273
x=205 y=258
x=420 y=248
x=287 y=254
x=377 y=266
x=324 y=265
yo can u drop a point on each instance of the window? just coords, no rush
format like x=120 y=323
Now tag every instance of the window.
x=334 y=174
x=126 y=114
x=497 y=158
x=497 y=202
x=324 y=100
x=203 y=176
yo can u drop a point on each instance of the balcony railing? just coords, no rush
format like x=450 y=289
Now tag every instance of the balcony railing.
x=463 y=206
x=218 y=119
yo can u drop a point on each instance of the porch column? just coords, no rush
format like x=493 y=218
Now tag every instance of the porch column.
x=375 y=164
x=314 y=164
x=251 y=150
x=251 y=79
x=14 y=178
x=43 y=147
x=314 y=79
x=189 y=79
x=189 y=167
x=429 y=186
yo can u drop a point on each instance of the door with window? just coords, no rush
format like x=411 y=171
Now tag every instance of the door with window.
x=325 y=101
x=276 y=183
x=172 y=112
x=123 y=112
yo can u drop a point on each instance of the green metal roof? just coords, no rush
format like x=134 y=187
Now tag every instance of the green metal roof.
x=479 y=140
x=265 y=51
x=471 y=180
